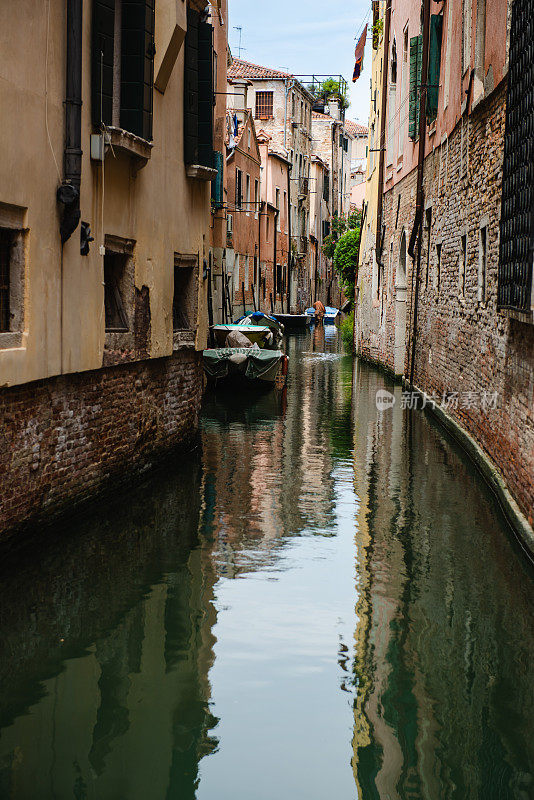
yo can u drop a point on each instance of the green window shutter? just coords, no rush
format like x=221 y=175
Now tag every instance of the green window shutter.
x=205 y=94
x=434 y=62
x=217 y=184
x=137 y=67
x=416 y=59
x=103 y=24
x=191 y=88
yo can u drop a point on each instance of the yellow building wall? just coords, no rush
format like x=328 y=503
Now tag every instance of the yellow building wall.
x=160 y=208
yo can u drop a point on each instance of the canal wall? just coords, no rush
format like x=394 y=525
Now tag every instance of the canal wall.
x=472 y=359
x=66 y=440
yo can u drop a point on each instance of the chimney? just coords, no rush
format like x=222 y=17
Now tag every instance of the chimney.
x=239 y=88
x=334 y=108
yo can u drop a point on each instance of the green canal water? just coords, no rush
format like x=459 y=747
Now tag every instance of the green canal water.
x=321 y=602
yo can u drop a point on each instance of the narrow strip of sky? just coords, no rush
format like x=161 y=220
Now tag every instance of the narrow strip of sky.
x=305 y=37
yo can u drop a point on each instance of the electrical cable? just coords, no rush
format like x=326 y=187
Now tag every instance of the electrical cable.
x=46 y=93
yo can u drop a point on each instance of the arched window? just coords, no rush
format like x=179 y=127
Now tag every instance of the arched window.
x=401 y=270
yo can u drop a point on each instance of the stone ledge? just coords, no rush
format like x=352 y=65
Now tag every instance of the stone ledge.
x=138 y=148
x=10 y=340
x=200 y=173
x=521 y=316
x=519 y=524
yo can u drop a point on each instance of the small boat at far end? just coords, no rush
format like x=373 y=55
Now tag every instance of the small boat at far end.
x=293 y=320
x=331 y=314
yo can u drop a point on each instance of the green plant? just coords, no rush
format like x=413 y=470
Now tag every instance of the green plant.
x=329 y=88
x=378 y=29
x=346 y=260
x=347 y=332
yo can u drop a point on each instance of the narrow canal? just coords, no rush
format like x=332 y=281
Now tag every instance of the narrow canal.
x=322 y=601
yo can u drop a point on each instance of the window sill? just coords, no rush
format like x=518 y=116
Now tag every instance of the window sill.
x=521 y=316
x=200 y=173
x=183 y=339
x=138 y=148
x=10 y=340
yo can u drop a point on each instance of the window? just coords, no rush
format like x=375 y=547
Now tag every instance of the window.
x=416 y=61
x=122 y=71
x=264 y=105
x=184 y=295
x=516 y=271
x=438 y=266
x=447 y=81
x=466 y=43
x=267 y=229
x=247 y=194
x=238 y=188
x=217 y=190
x=293 y=105
x=326 y=187
x=229 y=224
x=6 y=241
x=463 y=264
x=256 y=198
x=198 y=91
x=434 y=64
x=255 y=270
x=401 y=273
x=464 y=147
x=115 y=292
x=236 y=269
x=278 y=288
x=392 y=102
x=482 y=264
x=284 y=208
x=277 y=204
x=249 y=138
x=246 y=272
x=428 y=227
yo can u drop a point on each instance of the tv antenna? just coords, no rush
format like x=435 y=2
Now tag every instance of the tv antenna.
x=239 y=47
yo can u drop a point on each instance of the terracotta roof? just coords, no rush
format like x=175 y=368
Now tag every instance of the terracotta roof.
x=245 y=69
x=319 y=115
x=355 y=128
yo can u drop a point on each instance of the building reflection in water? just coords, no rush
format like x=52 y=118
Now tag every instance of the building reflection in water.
x=106 y=653
x=444 y=641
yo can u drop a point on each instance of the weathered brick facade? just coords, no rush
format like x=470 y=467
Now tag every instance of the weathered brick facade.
x=463 y=345
x=68 y=439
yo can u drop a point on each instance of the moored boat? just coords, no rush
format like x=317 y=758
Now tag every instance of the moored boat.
x=256 y=334
x=259 y=318
x=249 y=364
x=293 y=320
x=331 y=314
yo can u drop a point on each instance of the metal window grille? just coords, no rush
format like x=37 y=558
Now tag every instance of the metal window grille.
x=264 y=105
x=6 y=240
x=517 y=215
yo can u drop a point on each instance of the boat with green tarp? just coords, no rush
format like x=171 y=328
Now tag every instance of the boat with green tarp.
x=249 y=364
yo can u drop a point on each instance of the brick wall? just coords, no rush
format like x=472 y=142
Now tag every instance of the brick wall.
x=463 y=345
x=67 y=439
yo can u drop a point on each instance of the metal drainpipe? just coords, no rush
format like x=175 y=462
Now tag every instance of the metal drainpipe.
x=419 y=196
x=383 y=134
x=289 y=254
x=69 y=192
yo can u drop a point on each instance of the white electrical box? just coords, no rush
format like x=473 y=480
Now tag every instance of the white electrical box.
x=97 y=147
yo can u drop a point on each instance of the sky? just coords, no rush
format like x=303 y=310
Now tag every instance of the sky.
x=305 y=37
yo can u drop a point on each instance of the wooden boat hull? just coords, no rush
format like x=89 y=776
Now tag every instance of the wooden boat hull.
x=264 y=368
x=293 y=320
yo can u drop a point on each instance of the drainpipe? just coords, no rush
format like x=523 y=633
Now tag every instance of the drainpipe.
x=383 y=134
x=289 y=254
x=69 y=192
x=419 y=195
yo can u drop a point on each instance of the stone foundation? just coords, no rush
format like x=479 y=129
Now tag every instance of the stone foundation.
x=66 y=440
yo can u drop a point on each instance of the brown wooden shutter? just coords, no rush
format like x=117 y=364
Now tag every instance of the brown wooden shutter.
x=102 y=61
x=191 y=89
x=137 y=66
x=205 y=94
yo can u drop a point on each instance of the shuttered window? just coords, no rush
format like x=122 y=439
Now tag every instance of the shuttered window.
x=434 y=63
x=102 y=58
x=6 y=241
x=416 y=62
x=137 y=66
x=129 y=50
x=217 y=184
x=517 y=212
x=198 y=91
x=238 y=188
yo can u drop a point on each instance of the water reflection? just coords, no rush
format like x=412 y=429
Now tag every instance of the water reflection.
x=444 y=641
x=197 y=639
